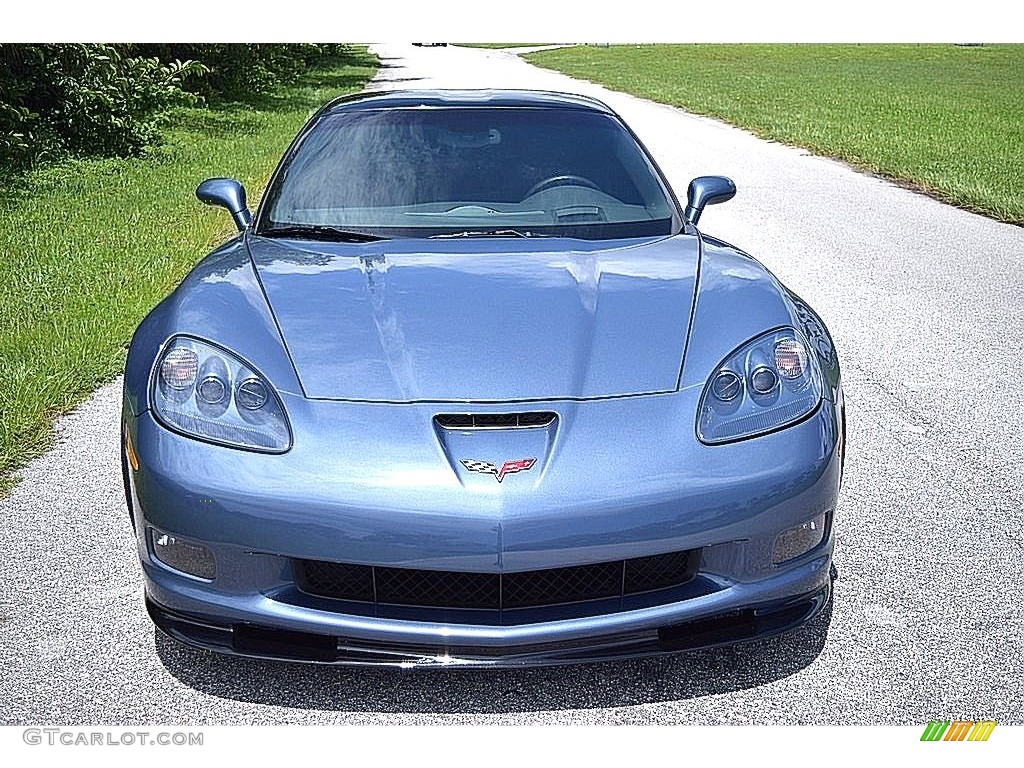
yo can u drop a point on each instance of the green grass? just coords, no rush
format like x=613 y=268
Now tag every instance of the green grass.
x=947 y=119
x=88 y=247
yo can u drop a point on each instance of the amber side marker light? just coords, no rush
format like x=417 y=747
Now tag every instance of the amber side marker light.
x=129 y=449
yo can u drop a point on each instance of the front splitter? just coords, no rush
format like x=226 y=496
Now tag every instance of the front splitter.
x=264 y=642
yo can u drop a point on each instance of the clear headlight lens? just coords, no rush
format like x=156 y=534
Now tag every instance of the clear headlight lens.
x=208 y=393
x=768 y=383
x=790 y=358
x=179 y=368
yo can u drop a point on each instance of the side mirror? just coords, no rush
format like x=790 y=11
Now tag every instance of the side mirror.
x=227 y=193
x=706 y=190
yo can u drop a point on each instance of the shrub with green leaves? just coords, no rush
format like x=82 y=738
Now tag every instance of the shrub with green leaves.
x=240 y=71
x=88 y=99
x=106 y=100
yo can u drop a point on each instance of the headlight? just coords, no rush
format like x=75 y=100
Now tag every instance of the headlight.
x=206 y=392
x=768 y=383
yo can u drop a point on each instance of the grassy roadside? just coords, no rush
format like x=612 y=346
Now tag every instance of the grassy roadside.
x=88 y=247
x=945 y=118
x=498 y=45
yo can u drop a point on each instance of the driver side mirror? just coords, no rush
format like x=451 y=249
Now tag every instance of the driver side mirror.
x=227 y=193
x=706 y=190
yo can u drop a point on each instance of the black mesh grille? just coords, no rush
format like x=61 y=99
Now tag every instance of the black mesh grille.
x=494 y=420
x=561 y=585
x=439 y=589
x=643 y=574
x=317 y=577
x=495 y=591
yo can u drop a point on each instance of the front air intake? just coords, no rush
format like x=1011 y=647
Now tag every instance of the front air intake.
x=495 y=420
x=496 y=591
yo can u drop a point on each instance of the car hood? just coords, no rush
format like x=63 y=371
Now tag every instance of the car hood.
x=481 y=320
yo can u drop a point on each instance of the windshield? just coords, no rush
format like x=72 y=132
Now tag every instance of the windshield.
x=468 y=172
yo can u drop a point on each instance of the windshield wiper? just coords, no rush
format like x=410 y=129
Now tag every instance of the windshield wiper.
x=320 y=232
x=494 y=233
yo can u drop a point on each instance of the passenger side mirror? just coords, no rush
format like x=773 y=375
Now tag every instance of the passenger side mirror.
x=227 y=193
x=706 y=190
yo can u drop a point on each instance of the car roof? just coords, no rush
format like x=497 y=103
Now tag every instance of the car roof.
x=464 y=98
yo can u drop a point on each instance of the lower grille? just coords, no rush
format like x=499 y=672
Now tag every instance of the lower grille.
x=495 y=591
x=561 y=585
x=436 y=589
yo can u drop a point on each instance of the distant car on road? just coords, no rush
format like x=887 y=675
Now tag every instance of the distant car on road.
x=471 y=388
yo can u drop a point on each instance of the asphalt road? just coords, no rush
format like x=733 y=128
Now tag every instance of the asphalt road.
x=927 y=306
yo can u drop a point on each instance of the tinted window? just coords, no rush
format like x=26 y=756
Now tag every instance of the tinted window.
x=435 y=171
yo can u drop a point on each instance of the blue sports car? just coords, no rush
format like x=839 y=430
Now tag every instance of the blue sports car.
x=471 y=388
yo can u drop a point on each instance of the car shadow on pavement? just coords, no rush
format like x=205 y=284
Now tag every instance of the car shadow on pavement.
x=587 y=686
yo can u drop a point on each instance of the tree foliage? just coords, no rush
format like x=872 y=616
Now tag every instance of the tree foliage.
x=239 y=71
x=98 y=99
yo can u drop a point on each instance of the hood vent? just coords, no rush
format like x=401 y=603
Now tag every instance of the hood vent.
x=495 y=420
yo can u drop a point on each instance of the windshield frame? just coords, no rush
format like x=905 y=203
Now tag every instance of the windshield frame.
x=262 y=223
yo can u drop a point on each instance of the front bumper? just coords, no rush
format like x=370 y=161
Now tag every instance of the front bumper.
x=259 y=514
x=265 y=642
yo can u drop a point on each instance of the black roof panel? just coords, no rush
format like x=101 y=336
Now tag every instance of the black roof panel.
x=465 y=98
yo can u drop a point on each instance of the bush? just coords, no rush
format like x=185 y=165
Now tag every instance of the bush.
x=240 y=71
x=87 y=99
x=94 y=99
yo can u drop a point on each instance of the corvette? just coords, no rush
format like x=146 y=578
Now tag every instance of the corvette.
x=472 y=389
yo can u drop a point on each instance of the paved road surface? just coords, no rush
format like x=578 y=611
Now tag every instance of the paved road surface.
x=927 y=306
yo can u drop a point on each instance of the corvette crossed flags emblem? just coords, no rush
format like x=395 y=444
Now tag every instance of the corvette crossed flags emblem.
x=508 y=468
